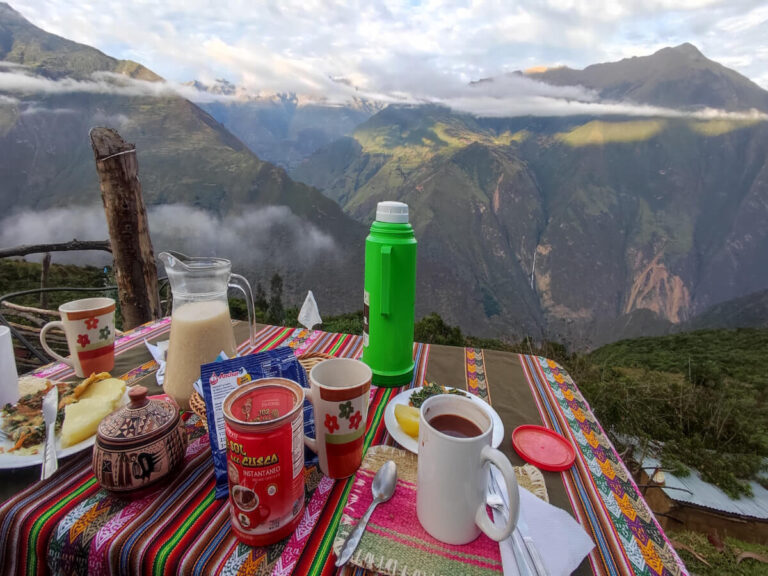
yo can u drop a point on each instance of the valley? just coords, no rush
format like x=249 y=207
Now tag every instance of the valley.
x=579 y=228
x=622 y=216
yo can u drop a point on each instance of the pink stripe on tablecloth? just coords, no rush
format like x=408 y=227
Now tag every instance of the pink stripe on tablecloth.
x=397 y=520
x=481 y=556
x=98 y=556
x=298 y=540
x=308 y=343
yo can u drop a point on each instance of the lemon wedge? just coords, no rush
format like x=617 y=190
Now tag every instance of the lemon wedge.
x=408 y=418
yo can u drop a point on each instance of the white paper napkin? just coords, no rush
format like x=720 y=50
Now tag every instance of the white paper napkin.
x=158 y=352
x=561 y=541
x=309 y=315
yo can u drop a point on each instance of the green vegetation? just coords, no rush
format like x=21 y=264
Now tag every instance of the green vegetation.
x=674 y=229
x=706 y=392
x=414 y=139
x=599 y=132
x=720 y=126
x=750 y=311
x=351 y=323
x=9 y=115
x=434 y=330
x=731 y=557
x=275 y=311
x=19 y=275
x=719 y=430
x=267 y=309
x=740 y=354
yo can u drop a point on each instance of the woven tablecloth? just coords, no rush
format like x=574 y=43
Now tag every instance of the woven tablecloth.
x=67 y=523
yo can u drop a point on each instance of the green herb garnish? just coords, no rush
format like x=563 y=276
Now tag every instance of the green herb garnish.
x=431 y=389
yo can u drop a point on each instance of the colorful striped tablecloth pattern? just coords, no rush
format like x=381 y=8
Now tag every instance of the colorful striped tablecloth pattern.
x=602 y=493
x=67 y=524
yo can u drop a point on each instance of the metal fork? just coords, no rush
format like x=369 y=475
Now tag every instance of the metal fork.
x=497 y=502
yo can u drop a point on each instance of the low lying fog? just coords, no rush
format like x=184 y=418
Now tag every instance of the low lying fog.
x=252 y=239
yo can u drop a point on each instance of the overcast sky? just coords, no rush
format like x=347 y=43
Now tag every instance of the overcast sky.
x=399 y=47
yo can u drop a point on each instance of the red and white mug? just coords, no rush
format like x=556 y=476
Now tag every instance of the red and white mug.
x=89 y=325
x=339 y=391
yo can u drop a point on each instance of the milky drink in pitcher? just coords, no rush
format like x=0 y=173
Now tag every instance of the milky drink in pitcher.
x=201 y=326
x=389 y=296
x=189 y=351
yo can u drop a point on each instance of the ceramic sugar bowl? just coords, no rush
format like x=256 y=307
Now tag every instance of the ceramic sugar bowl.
x=139 y=444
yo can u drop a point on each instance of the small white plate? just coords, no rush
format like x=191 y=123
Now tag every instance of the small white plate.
x=411 y=444
x=10 y=461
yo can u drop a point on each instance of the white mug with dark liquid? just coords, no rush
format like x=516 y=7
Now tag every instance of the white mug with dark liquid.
x=454 y=449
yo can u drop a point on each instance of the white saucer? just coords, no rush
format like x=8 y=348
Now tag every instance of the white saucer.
x=411 y=444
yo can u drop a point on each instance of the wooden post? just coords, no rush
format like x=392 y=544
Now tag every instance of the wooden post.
x=44 y=280
x=135 y=268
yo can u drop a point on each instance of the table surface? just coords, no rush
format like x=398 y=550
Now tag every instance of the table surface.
x=74 y=526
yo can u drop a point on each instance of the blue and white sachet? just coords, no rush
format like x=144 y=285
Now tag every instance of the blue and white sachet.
x=278 y=363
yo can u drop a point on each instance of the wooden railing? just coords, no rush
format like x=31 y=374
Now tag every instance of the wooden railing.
x=129 y=242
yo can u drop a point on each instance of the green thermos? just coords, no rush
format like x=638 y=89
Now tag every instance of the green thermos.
x=389 y=295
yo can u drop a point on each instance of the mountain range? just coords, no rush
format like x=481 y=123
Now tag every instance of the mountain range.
x=283 y=128
x=583 y=228
x=677 y=78
x=185 y=157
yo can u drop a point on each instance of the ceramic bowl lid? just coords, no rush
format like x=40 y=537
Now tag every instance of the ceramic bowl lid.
x=141 y=420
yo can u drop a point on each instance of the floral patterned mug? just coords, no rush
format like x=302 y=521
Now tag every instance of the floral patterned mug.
x=339 y=392
x=89 y=325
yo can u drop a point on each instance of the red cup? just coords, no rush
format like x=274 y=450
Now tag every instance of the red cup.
x=339 y=391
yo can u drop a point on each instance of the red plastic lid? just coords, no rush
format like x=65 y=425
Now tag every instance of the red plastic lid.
x=543 y=448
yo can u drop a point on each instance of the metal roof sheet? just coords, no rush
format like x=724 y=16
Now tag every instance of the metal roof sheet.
x=693 y=490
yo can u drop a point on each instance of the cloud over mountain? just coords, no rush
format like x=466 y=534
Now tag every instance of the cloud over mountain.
x=250 y=239
x=508 y=95
x=20 y=80
x=394 y=48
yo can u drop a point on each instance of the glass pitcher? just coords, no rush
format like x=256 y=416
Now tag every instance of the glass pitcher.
x=201 y=326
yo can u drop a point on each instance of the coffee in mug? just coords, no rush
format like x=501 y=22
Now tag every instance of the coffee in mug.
x=89 y=325
x=456 y=426
x=454 y=448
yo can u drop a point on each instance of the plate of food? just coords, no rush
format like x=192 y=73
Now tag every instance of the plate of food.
x=413 y=398
x=81 y=407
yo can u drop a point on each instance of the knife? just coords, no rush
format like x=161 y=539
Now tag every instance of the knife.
x=498 y=500
x=530 y=546
x=521 y=542
x=50 y=407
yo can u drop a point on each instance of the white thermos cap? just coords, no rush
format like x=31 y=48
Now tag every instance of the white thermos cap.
x=394 y=212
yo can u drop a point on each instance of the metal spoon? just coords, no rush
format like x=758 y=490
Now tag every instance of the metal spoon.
x=383 y=487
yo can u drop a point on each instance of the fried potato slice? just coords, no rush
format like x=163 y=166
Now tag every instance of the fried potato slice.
x=83 y=386
x=111 y=389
